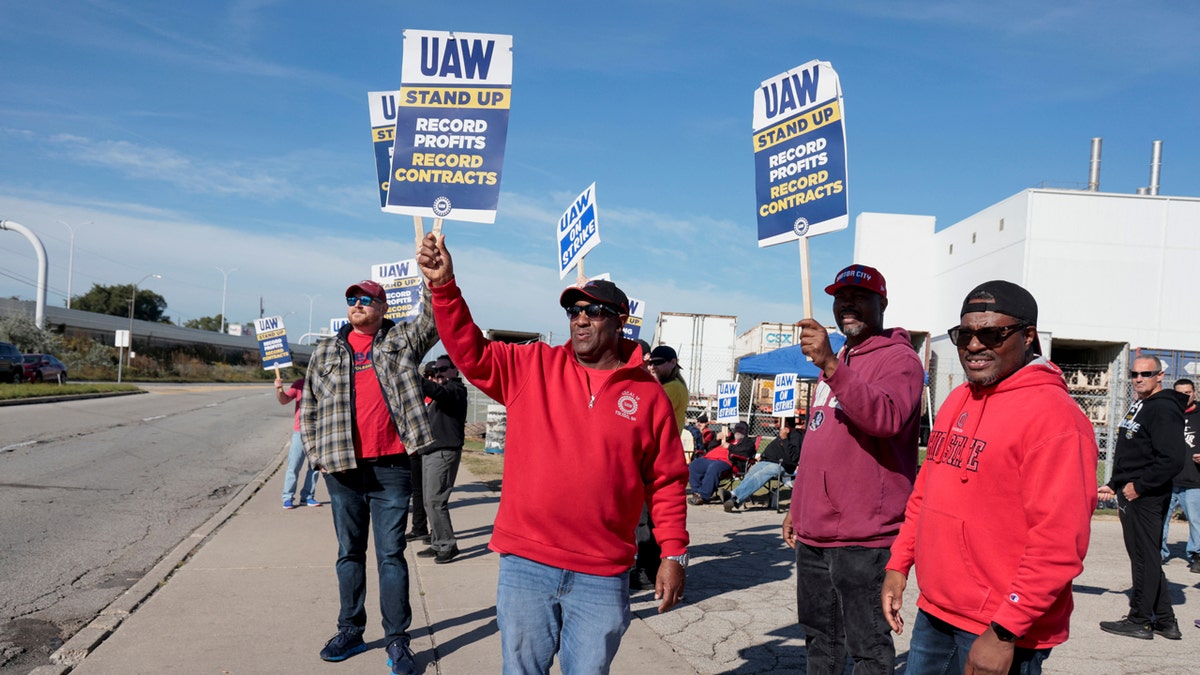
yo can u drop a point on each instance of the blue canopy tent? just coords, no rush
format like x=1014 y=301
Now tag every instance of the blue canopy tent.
x=786 y=360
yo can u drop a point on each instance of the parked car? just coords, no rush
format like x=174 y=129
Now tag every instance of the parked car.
x=11 y=369
x=44 y=368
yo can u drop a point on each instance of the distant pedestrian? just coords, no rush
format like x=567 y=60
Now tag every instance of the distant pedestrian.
x=296 y=457
x=420 y=520
x=361 y=416
x=447 y=409
x=1185 y=488
x=664 y=365
x=1150 y=452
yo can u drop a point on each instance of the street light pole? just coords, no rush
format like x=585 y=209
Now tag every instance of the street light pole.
x=224 y=287
x=310 y=306
x=132 y=303
x=71 y=260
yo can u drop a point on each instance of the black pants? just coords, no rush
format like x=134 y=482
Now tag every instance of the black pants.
x=837 y=603
x=420 y=522
x=1142 y=524
x=649 y=553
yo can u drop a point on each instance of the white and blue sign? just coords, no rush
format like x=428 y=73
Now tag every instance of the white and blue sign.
x=272 y=342
x=727 y=401
x=451 y=125
x=383 y=135
x=633 y=325
x=784 y=395
x=402 y=281
x=800 y=155
x=578 y=231
x=336 y=324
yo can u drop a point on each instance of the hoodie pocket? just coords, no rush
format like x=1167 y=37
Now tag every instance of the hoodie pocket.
x=947 y=573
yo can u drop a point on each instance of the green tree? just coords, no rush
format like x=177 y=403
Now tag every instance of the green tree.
x=212 y=323
x=114 y=300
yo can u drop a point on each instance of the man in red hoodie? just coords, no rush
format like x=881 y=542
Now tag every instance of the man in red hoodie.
x=999 y=520
x=855 y=474
x=591 y=439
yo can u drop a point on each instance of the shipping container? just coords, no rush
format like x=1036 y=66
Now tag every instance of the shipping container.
x=704 y=343
x=766 y=337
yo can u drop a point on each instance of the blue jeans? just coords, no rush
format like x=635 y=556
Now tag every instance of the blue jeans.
x=1189 y=500
x=837 y=604
x=376 y=491
x=295 y=461
x=542 y=610
x=937 y=648
x=705 y=475
x=758 y=475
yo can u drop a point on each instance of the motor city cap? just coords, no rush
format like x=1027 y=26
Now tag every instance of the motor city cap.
x=861 y=276
x=599 y=290
x=368 y=288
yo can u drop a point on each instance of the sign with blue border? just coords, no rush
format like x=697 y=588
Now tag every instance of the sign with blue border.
x=784 y=395
x=727 y=401
x=578 y=231
x=402 y=281
x=633 y=325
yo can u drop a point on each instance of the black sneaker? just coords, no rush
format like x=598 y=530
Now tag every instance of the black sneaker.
x=342 y=646
x=1133 y=629
x=400 y=658
x=1168 y=628
x=414 y=534
x=1194 y=566
x=446 y=556
x=427 y=552
x=730 y=504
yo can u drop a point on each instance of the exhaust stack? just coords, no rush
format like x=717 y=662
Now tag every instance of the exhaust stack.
x=1094 y=170
x=1155 y=165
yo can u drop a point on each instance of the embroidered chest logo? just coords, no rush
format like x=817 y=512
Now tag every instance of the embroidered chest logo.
x=962 y=419
x=817 y=418
x=627 y=405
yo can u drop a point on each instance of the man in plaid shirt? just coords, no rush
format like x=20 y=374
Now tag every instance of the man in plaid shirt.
x=361 y=417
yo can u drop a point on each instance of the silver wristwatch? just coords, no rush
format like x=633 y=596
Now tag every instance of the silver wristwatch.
x=681 y=559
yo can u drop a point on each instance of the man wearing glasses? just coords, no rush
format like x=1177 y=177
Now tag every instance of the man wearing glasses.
x=855 y=474
x=362 y=414
x=591 y=438
x=998 y=523
x=1150 y=452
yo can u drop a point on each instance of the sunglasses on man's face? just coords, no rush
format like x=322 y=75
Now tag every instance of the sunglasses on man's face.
x=442 y=369
x=657 y=362
x=1144 y=374
x=366 y=300
x=990 y=338
x=593 y=311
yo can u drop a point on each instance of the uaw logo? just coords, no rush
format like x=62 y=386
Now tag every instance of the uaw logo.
x=800 y=227
x=441 y=206
x=627 y=405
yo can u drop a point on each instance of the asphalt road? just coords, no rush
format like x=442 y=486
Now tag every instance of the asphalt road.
x=94 y=492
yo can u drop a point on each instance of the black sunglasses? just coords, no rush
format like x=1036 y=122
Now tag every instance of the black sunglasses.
x=990 y=338
x=1144 y=374
x=442 y=369
x=366 y=300
x=593 y=311
x=657 y=362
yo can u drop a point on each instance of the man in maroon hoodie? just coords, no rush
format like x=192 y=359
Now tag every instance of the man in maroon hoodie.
x=999 y=521
x=855 y=474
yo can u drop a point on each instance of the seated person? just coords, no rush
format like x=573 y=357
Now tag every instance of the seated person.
x=705 y=472
x=782 y=455
x=741 y=448
x=708 y=437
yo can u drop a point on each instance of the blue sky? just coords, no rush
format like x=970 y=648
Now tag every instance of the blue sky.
x=181 y=137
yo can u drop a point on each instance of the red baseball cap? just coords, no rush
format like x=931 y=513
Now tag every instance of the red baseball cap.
x=368 y=288
x=858 y=275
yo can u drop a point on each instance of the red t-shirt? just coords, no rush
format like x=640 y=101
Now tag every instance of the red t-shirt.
x=375 y=432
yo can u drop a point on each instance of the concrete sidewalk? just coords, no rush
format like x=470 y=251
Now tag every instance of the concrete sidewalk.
x=258 y=595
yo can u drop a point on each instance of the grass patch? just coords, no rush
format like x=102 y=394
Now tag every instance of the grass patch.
x=12 y=392
x=488 y=468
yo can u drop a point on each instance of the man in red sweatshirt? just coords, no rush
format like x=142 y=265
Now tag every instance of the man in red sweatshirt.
x=591 y=439
x=999 y=520
x=855 y=474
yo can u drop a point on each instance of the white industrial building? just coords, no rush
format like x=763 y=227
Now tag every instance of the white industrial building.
x=1112 y=274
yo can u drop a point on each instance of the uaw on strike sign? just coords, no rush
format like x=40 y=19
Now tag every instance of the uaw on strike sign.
x=800 y=155
x=451 y=125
